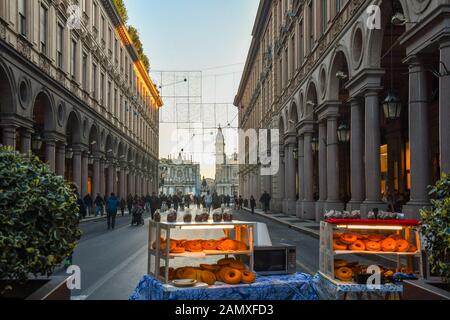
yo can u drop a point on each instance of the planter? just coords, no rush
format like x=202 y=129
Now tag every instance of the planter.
x=422 y=290
x=54 y=288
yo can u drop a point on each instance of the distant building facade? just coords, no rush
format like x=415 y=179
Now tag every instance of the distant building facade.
x=227 y=168
x=179 y=176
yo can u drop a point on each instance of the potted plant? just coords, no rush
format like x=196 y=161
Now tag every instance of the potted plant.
x=39 y=227
x=435 y=231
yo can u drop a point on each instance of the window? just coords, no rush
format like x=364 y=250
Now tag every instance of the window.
x=102 y=89
x=43 y=28
x=94 y=80
x=109 y=102
x=23 y=17
x=103 y=29
x=84 y=71
x=59 y=45
x=338 y=6
x=301 y=44
x=311 y=26
x=110 y=39
x=73 y=63
x=324 y=16
x=94 y=16
x=115 y=103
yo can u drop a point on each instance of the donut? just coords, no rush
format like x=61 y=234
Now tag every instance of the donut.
x=237 y=265
x=219 y=275
x=412 y=248
x=231 y=276
x=389 y=245
x=337 y=235
x=179 y=273
x=178 y=250
x=163 y=245
x=172 y=274
x=209 y=267
x=241 y=246
x=208 y=277
x=248 y=277
x=338 y=245
x=376 y=237
x=373 y=246
x=402 y=245
x=348 y=238
x=227 y=245
x=209 y=245
x=225 y=261
x=340 y=263
x=396 y=237
x=358 y=246
x=189 y=273
x=344 y=274
x=194 y=246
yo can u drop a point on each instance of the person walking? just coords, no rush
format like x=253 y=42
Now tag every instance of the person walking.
x=112 y=206
x=252 y=204
x=240 y=202
x=89 y=204
x=123 y=205
x=265 y=201
x=98 y=205
x=81 y=206
x=154 y=205
x=130 y=203
x=208 y=201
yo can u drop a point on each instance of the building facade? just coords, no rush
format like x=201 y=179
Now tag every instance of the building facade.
x=358 y=92
x=227 y=168
x=179 y=176
x=76 y=95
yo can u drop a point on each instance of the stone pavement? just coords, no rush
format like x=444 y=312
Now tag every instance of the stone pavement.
x=305 y=226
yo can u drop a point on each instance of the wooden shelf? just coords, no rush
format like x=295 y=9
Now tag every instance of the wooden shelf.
x=202 y=254
x=346 y=252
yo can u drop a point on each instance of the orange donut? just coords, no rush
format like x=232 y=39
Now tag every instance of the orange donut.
x=412 y=248
x=376 y=237
x=209 y=267
x=402 y=245
x=344 y=274
x=338 y=245
x=237 y=265
x=188 y=273
x=348 y=238
x=208 y=277
x=231 y=276
x=340 y=263
x=178 y=250
x=373 y=246
x=225 y=261
x=358 y=246
x=173 y=245
x=209 y=245
x=227 y=245
x=248 y=277
x=241 y=246
x=389 y=245
x=396 y=237
x=194 y=246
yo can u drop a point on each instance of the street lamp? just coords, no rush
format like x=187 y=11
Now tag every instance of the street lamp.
x=392 y=107
x=69 y=153
x=91 y=159
x=343 y=133
x=295 y=154
x=36 y=142
x=315 y=144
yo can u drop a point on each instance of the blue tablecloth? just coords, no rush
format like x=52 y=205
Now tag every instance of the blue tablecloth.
x=293 y=287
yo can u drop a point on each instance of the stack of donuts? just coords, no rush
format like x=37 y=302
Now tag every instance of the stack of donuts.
x=372 y=242
x=182 y=246
x=229 y=271
x=345 y=271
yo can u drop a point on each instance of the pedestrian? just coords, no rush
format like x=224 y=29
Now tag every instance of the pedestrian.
x=208 y=201
x=98 y=205
x=154 y=205
x=240 y=202
x=252 y=204
x=112 y=206
x=265 y=201
x=81 y=206
x=227 y=200
x=147 y=203
x=123 y=205
x=89 y=204
x=129 y=203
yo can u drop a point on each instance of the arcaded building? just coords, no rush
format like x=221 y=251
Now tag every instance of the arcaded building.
x=76 y=95
x=359 y=93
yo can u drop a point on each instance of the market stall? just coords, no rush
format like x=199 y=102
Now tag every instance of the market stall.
x=344 y=243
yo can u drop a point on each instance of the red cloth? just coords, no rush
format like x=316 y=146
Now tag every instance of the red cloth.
x=375 y=222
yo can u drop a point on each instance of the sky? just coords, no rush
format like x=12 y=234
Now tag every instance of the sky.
x=211 y=36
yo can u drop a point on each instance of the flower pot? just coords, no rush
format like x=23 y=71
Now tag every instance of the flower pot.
x=422 y=290
x=54 y=288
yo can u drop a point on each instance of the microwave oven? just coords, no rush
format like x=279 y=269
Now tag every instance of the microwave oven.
x=275 y=260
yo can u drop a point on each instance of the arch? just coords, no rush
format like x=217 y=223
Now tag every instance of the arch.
x=281 y=125
x=339 y=64
x=311 y=99
x=375 y=36
x=7 y=103
x=73 y=129
x=94 y=138
x=121 y=152
x=109 y=146
x=293 y=116
x=43 y=114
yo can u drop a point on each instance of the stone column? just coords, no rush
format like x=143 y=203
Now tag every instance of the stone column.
x=357 y=155
x=9 y=136
x=122 y=182
x=50 y=154
x=290 y=177
x=372 y=154
x=418 y=138
x=333 y=202
x=61 y=160
x=444 y=108
x=308 y=206
x=280 y=182
x=102 y=177
x=96 y=177
x=25 y=147
x=77 y=169
x=301 y=174
x=84 y=173
x=110 y=187
x=323 y=189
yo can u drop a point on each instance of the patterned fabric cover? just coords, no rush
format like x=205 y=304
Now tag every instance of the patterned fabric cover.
x=292 y=287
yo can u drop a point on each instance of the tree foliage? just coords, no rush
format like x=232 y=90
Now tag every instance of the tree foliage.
x=39 y=220
x=122 y=10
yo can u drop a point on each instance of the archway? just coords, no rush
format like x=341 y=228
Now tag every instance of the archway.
x=293 y=121
x=43 y=126
x=109 y=166
x=6 y=103
x=73 y=137
x=94 y=162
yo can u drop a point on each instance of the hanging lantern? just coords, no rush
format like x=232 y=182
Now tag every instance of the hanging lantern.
x=69 y=153
x=343 y=133
x=91 y=159
x=295 y=154
x=36 y=142
x=392 y=107
x=315 y=144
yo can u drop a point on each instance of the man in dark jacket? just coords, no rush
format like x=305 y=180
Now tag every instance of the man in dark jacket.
x=81 y=206
x=265 y=201
x=89 y=204
x=98 y=205
x=112 y=205
x=130 y=203
x=154 y=204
